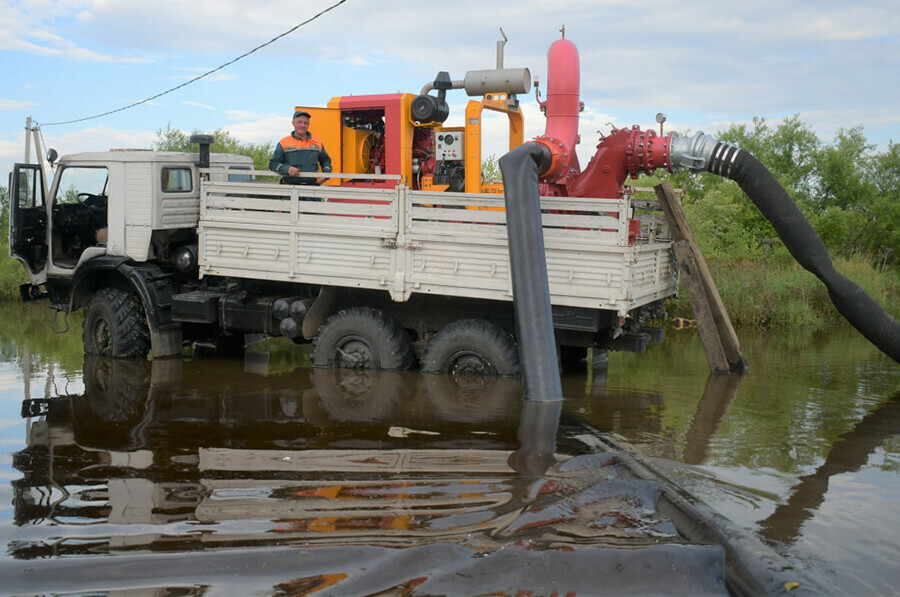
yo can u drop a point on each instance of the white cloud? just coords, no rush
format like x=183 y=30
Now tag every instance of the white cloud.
x=848 y=22
x=7 y=104
x=336 y=54
x=7 y=423
x=393 y=29
x=220 y=77
x=241 y=114
x=44 y=43
x=11 y=151
x=358 y=60
x=99 y=138
x=261 y=129
x=197 y=105
x=32 y=27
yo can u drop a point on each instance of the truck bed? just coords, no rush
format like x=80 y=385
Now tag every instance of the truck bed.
x=406 y=242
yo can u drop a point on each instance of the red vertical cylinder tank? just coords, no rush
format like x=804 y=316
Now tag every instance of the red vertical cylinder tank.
x=562 y=107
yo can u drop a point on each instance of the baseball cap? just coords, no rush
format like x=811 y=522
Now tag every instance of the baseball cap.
x=301 y=113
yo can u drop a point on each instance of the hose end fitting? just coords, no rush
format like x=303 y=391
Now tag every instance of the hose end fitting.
x=694 y=153
x=552 y=164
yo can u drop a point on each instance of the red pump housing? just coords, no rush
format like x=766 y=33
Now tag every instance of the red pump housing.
x=623 y=153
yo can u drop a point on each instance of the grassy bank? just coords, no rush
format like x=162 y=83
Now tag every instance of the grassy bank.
x=11 y=276
x=776 y=293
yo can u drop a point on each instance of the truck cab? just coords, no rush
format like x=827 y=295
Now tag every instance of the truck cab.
x=138 y=205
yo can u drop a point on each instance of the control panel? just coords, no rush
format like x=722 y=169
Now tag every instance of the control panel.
x=449 y=146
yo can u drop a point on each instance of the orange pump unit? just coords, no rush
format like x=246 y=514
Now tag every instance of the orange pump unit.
x=403 y=134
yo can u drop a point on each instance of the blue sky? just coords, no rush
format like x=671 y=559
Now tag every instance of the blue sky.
x=704 y=64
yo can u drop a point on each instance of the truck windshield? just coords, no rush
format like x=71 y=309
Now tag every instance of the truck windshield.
x=75 y=183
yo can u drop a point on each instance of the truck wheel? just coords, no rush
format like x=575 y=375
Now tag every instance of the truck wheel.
x=471 y=347
x=362 y=338
x=115 y=325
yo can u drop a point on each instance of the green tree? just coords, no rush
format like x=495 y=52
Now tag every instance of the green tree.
x=490 y=169
x=883 y=240
x=789 y=151
x=855 y=209
x=176 y=140
x=849 y=192
x=842 y=171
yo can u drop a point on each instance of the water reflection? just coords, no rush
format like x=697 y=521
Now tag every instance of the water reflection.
x=848 y=454
x=482 y=489
x=199 y=467
x=718 y=395
x=633 y=414
x=537 y=439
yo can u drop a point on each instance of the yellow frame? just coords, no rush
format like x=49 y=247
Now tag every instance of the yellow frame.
x=497 y=103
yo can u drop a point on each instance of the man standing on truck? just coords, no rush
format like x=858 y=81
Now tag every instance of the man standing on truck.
x=300 y=152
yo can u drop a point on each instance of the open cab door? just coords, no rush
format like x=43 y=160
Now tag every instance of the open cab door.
x=28 y=225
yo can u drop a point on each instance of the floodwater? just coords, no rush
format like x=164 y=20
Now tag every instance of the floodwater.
x=212 y=476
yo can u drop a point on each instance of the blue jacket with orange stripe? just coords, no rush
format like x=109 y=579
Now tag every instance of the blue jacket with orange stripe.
x=304 y=154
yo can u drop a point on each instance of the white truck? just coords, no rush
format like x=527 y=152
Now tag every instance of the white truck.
x=161 y=252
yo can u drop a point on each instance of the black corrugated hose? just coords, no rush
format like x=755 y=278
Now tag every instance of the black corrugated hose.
x=528 y=268
x=804 y=243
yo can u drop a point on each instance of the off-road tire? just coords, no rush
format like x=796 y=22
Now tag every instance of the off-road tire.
x=115 y=325
x=362 y=338
x=471 y=347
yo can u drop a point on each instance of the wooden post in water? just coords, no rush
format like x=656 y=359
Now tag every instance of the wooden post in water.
x=723 y=351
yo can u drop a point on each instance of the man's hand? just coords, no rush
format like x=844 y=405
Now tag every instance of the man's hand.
x=293 y=171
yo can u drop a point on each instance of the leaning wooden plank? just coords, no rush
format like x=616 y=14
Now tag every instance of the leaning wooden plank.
x=681 y=231
x=709 y=335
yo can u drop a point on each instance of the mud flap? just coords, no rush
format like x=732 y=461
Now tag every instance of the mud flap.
x=320 y=311
x=166 y=343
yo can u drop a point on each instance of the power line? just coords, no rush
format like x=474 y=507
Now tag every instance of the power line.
x=206 y=74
